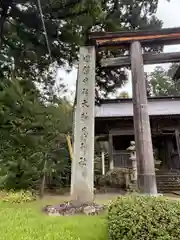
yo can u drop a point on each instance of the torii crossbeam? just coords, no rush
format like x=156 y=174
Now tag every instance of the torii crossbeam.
x=166 y=36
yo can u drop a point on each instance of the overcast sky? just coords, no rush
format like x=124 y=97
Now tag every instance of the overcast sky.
x=168 y=13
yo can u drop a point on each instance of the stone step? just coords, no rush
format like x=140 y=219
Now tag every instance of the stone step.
x=168 y=173
x=167 y=190
x=169 y=187
x=168 y=181
x=176 y=181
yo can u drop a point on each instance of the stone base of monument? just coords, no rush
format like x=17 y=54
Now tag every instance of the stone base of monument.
x=70 y=208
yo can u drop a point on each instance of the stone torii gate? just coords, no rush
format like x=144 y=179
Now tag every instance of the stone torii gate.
x=82 y=177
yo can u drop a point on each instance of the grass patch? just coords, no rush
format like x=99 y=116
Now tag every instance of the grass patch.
x=26 y=222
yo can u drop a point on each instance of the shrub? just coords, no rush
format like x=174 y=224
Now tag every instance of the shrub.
x=116 y=177
x=143 y=218
x=113 y=178
x=19 y=197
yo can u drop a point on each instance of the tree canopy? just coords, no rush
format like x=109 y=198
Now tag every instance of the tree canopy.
x=68 y=22
x=160 y=82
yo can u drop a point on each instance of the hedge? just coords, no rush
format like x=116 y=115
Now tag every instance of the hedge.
x=143 y=218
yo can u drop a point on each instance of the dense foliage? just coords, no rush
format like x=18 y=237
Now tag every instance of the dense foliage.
x=140 y=217
x=32 y=136
x=18 y=197
x=160 y=82
x=113 y=178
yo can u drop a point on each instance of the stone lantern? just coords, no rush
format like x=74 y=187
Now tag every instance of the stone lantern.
x=132 y=150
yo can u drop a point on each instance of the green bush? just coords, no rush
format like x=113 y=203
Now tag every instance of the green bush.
x=113 y=178
x=116 y=177
x=19 y=197
x=143 y=218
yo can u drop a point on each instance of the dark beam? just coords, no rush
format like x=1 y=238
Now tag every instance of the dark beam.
x=177 y=135
x=110 y=152
x=166 y=36
x=148 y=58
x=177 y=74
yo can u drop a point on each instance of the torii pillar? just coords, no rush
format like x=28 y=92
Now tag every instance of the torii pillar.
x=143 y=139
x=82 y=175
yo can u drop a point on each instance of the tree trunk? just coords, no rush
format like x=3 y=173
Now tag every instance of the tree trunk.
x=43 y=182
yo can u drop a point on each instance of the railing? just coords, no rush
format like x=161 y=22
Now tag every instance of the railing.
x=121 y=159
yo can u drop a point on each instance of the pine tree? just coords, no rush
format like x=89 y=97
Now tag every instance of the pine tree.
x=31 y=134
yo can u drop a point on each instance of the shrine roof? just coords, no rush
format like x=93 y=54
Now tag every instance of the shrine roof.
x=157 y=106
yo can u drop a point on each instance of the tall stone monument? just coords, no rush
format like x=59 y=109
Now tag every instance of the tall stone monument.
x=82 y=177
